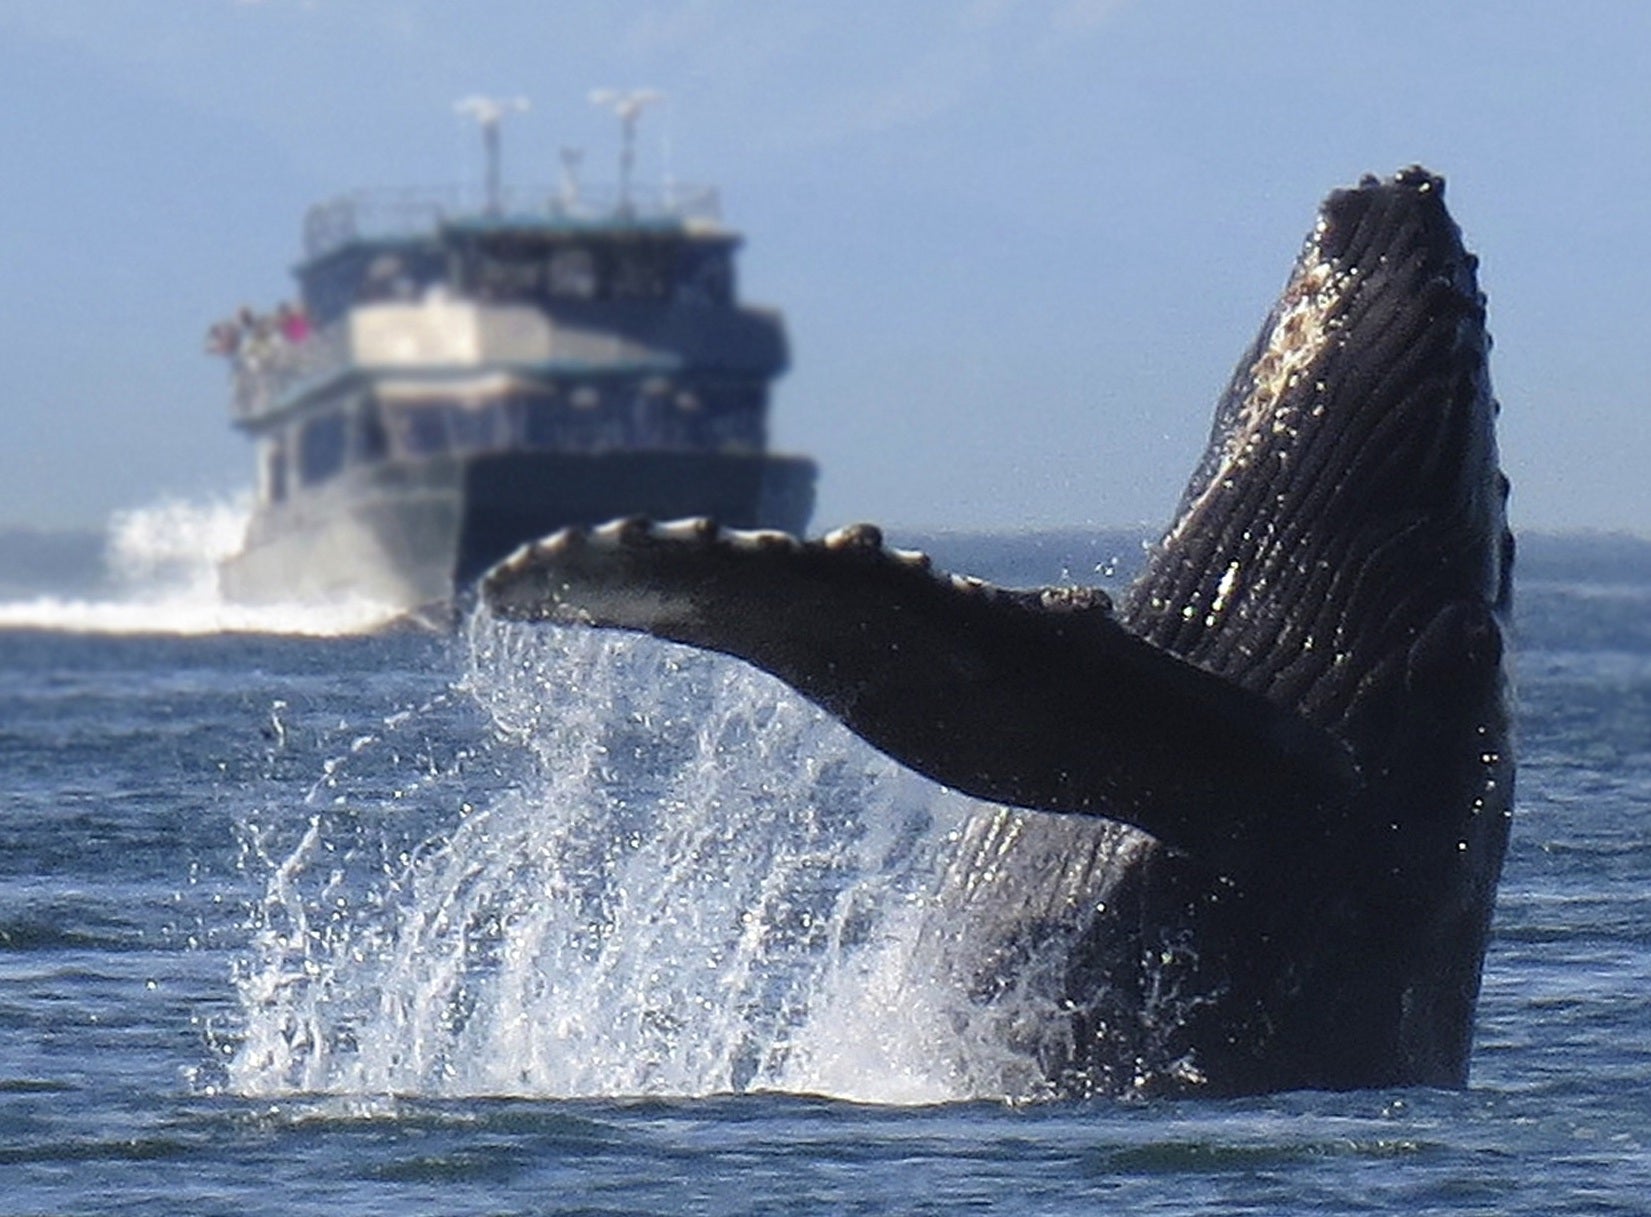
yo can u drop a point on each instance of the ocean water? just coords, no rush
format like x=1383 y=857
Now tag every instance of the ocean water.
x=298 y=921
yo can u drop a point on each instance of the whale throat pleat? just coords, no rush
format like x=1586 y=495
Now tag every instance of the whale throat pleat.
x=1340 y=507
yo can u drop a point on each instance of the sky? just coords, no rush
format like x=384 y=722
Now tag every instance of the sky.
x=1019 y=244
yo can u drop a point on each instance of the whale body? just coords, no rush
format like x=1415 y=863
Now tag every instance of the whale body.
x=1278 y=772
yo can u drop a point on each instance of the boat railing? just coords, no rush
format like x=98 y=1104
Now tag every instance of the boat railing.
x=392 y=213
x=266 y=366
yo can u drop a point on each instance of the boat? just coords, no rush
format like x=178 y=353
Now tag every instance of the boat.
x=458 y=378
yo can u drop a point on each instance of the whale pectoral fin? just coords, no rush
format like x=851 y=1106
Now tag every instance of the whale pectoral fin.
x=1038 y=699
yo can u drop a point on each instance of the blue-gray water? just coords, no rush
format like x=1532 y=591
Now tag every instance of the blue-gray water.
x=492 y=924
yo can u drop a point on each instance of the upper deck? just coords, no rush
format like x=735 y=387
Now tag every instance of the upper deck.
x=399 y=214
x=426 y=283
x=539 y=247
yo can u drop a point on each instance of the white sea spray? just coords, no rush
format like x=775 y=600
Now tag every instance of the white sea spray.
x=680 y=880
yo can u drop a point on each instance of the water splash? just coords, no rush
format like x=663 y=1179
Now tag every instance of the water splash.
x=680 y=880
x=162 y=578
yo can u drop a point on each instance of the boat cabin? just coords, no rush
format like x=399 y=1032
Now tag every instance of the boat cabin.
x=428 y=336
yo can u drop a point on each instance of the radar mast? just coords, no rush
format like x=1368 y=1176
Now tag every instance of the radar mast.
x=628 y=106
x=489 y=112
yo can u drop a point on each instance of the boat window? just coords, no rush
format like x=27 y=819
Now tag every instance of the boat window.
x=321 y=448
x=419 y=430
x=541 y=424
x=372 y=443
x=386 y=278
x=705 y=276
x=572 y=273
x=642 y=273
x=731 y=417
x=513 y=416
x=477 y=428
x=502 y=276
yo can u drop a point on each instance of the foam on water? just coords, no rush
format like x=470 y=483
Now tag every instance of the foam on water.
x=682 y=880
x=162 y=566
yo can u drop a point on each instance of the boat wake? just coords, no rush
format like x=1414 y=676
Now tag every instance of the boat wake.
x=160 y=576
x=660 y=874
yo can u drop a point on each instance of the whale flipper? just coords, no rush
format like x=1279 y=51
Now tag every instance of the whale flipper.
x=1035 y=698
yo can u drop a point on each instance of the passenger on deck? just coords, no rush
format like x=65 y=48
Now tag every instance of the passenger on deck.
x=258 y=345
x=292 y=322
x=224 y=339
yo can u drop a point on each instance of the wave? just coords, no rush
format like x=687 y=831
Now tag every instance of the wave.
x=160 y=576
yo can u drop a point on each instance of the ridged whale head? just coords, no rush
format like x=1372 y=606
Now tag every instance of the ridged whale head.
x=1351 y=493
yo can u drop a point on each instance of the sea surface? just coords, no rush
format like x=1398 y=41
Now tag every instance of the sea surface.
x=298 y=921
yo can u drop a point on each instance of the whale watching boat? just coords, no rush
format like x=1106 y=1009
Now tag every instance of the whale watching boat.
x=457 y=380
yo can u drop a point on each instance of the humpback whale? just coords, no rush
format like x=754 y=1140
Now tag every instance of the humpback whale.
x=1266 y=795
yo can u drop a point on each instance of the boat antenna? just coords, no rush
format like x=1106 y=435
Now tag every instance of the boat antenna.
x=629 y=107
x=571 y=157
x=488 y=113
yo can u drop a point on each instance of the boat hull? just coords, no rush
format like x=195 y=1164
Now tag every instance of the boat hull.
x=416 y=535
